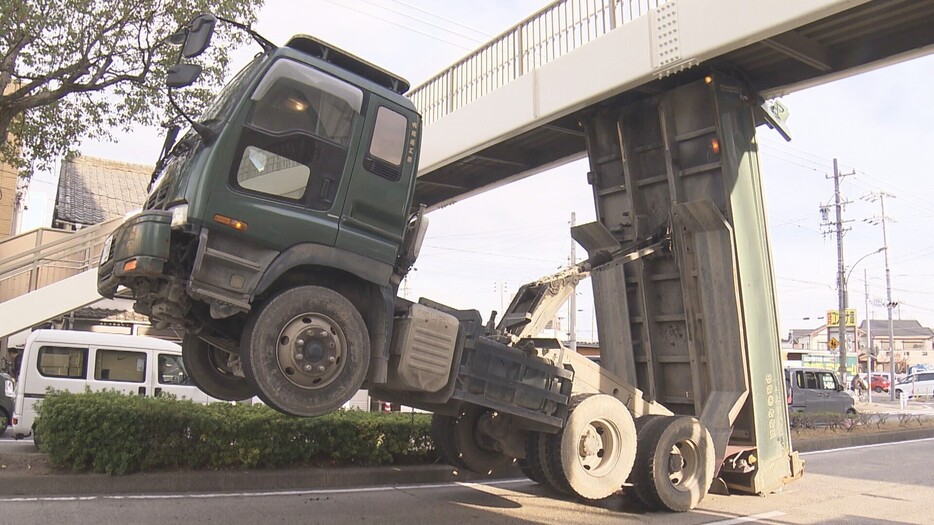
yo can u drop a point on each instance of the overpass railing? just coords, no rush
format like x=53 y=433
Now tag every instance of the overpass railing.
x=555 y=30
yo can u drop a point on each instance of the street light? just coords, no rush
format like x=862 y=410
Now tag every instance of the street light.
x=842 y=321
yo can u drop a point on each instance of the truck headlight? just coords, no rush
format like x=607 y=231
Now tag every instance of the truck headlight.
x=179 y=216
x=105 y=251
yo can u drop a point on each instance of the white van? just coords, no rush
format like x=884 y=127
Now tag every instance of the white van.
x=69 y=360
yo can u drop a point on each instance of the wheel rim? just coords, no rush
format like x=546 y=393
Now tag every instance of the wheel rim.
x=599 y=447
x=311 y=350
x=683 y=465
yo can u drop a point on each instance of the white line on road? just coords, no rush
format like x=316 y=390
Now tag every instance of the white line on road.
x=755 y=518
x=260 y=494
x=816 y=452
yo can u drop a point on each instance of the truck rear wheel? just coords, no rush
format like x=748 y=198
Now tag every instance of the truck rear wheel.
x=597 y=446
x=442 y=434
x=208 y=368
x=675 y=463
x=306 y=351
x=475 y=448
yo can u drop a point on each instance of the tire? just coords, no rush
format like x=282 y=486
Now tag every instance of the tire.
x=898 y=394
x=4 y=421
x=442 y=435
x=208 y=369
x=549 y=450
x=475 y=449
x=305 y=351
x=597 y=446
x=877 y=389
x=660 y=482
x=532 y=465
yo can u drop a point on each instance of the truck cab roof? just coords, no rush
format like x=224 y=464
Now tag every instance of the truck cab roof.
x=348 y=61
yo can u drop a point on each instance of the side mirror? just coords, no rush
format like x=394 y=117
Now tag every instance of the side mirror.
x=182 y=75
x=200 y=31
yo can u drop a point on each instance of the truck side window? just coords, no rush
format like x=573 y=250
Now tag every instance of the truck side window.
x=61 y=361
x=297 y=136
x=120 y=365
x=388 y=145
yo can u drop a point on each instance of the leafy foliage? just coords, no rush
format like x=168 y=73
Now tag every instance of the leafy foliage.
x=112 y=433
x=73 y=69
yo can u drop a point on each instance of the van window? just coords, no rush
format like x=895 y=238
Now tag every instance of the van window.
x=120 y=365
x=172 y=371
x=62 y=361
x=827 y=381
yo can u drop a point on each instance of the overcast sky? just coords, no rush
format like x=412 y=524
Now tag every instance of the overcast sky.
x=878 y=124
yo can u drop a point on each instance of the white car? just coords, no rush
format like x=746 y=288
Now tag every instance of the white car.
x=920 y=384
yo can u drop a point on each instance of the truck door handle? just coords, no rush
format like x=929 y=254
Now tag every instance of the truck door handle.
x=157 y=392
x=142 y=391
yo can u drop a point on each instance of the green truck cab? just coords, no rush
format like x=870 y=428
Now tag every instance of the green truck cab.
x=273 y=232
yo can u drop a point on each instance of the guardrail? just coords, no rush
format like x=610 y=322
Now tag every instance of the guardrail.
x=55 y=255
x=553 y=31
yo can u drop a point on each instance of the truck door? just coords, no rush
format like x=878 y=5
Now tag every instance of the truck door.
x=122 y=370
x=170 y=377
x=376 y=208
x=292 y=156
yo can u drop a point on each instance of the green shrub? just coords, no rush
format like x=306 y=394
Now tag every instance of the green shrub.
x=113 y=433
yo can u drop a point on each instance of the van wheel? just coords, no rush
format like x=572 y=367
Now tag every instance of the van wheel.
x=208 y=368
x=898 y=394
x=306 y=351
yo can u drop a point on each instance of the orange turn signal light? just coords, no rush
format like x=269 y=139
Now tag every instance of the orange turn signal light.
x=708 y=79
x=233 y=223
x=130 y=265
x=715 y=145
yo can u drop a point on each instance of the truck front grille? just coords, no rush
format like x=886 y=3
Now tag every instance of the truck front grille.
x=157 y=200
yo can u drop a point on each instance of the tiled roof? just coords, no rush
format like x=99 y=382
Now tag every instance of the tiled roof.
x=92 y=191
x=900 y=328
x=109 y=314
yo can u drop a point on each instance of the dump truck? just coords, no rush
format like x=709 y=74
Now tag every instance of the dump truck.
x=278 y=229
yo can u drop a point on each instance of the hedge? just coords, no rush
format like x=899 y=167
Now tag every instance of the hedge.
x=110 y=432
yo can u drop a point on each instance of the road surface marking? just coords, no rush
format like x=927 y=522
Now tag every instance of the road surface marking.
x=361 y=490
x=755 y=518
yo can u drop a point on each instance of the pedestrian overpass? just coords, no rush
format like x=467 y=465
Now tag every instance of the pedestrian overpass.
x=512 y=108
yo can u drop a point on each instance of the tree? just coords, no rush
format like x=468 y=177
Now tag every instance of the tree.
x=78 y=69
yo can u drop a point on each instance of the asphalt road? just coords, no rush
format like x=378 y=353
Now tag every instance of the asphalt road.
x=880 y=484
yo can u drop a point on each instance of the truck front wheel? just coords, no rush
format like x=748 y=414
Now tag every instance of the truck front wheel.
x=208 y=368
x=306 y=351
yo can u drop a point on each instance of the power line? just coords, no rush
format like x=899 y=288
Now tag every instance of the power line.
x=382 y=19
x=448 y=20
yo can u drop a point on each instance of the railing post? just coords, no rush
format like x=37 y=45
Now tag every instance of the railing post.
x=34 y=271
x=612 y=14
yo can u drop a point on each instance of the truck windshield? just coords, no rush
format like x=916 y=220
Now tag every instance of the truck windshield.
x=220 y=107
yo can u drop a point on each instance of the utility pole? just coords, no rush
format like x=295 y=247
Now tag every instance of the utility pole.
x=869 y=336
x=889 y=304
x=841 y=273
x=572 y=316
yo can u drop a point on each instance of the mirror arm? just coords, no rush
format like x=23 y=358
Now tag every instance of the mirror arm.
x=263 y=42
x=207 y=134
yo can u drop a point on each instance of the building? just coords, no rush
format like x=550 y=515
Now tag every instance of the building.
x=913 y=344
x=92 y=191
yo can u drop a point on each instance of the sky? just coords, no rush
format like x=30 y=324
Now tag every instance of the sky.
x=478 y=252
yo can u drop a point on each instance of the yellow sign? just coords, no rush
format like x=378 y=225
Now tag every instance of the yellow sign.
x=833 y=317
x=833 y=343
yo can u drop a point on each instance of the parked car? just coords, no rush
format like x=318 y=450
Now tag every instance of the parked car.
x=880 y=383
x=915 y=385
x=6 y=401
x=816 y=390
